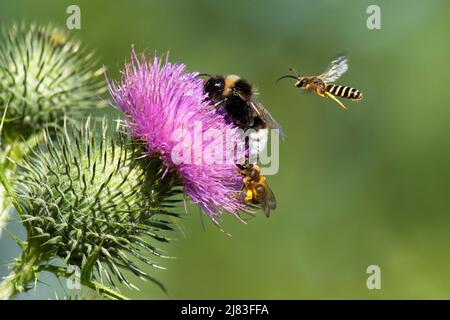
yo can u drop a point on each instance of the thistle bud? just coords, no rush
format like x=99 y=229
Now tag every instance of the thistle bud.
x=44 y=74
x=88 y=197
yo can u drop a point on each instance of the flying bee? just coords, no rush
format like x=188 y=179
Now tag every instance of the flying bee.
x=255 y=190
x=236 y=97
x=323 y=85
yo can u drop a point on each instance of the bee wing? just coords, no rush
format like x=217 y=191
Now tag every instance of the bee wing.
x=270 y=203
x=336 y=69
x=266 y=117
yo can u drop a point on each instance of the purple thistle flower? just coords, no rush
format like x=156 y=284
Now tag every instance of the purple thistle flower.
x=164 y=104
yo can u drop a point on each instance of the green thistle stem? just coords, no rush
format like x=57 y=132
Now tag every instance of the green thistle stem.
x=24 y=273
x=12 y=153
x=97 y=287
x=29 y=265
x=8 y=190
x=25 y=268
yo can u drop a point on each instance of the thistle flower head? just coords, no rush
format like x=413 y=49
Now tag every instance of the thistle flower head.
x=166 y=108
x=43 y=75
x=87 y=194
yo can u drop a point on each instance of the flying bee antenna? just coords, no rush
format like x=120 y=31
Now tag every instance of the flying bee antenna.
x=289 y=76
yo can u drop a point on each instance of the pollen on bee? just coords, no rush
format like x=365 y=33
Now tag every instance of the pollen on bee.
x=248 y=195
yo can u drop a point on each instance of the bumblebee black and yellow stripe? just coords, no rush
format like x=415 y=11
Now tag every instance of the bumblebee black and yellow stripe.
x=344 y=92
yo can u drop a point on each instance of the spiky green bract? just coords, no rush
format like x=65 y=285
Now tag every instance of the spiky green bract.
x=44 y=74
x=3 y=210
x=90 y=198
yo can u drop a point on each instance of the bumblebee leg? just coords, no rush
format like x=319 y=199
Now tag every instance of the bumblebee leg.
x=329 y=95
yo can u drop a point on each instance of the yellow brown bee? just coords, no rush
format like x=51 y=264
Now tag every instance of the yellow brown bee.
x=255 y=190
x=323 y=85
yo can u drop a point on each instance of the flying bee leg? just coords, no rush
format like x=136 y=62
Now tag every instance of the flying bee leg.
x=329 y=95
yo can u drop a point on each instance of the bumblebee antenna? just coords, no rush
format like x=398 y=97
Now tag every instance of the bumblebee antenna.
x=203 y=75
x=289 y=76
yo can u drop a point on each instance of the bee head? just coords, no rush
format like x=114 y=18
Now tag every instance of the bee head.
x=255 y=172
x=214 y=87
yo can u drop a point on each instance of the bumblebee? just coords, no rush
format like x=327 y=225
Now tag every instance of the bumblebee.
x=236 y=96
x=322 y=85
x=255 y=190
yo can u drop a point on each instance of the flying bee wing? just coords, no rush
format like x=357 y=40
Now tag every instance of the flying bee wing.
x=336 y=69
x=270 y=202
x=265 y=116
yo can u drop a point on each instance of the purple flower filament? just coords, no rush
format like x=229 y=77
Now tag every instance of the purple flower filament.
x=166 y=108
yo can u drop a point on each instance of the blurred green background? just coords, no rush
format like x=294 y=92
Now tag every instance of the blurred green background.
x=357 y=188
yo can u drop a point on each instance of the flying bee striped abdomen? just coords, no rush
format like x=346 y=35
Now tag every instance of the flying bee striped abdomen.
x=344 y=92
